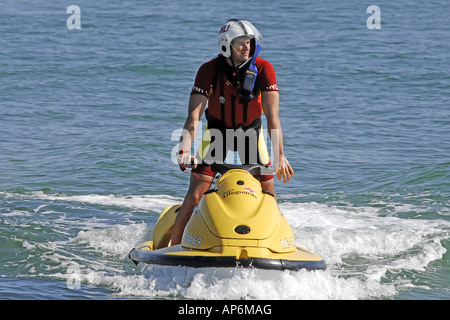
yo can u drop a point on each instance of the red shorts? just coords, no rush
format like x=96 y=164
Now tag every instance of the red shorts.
x=203 y=169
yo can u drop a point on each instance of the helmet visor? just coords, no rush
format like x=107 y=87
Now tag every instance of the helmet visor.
x=249 y=30
x=241 y=42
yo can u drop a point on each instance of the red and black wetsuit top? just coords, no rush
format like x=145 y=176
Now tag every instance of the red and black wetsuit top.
x=231 y=112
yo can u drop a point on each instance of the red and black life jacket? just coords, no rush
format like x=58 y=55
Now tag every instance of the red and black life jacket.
x=228 y=104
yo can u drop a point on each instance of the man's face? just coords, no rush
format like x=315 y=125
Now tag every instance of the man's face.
x=241 y=50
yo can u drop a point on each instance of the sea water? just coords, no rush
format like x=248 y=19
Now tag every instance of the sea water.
x=87 y=118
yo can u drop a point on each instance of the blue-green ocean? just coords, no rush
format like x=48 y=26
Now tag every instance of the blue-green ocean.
x=89 y=119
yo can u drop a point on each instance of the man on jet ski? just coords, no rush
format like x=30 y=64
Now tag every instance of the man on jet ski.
x=238 y=87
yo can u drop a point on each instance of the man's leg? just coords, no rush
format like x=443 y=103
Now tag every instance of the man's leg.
x=268 y=185
x=199 y=184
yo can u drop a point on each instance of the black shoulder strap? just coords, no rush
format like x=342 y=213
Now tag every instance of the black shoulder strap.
x=221 y=75
x=245 y=112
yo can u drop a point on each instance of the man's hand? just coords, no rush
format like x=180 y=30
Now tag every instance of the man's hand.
x=186 y=160
x=284 y=169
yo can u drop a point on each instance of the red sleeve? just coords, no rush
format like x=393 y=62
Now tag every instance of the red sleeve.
x=268 y=79
x=204 y=78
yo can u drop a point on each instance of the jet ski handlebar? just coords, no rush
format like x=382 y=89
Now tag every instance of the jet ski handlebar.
x=253 y=169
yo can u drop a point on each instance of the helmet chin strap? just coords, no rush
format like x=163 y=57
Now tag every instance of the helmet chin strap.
x=233 y=63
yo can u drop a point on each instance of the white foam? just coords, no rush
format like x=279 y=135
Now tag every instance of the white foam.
x=142 y=202
x=381 y=243
x=208 y=283
x=16 y=213
x=113 y=241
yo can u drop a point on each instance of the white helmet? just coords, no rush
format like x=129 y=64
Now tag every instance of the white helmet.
x=234 y=29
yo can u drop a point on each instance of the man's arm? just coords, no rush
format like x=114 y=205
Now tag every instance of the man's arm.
x=197 y=105
x=270 y=104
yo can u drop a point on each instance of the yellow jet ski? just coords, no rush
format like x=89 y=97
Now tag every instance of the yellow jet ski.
x=236 y=224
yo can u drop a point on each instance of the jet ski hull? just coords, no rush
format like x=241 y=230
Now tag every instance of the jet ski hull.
x=178 y=256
